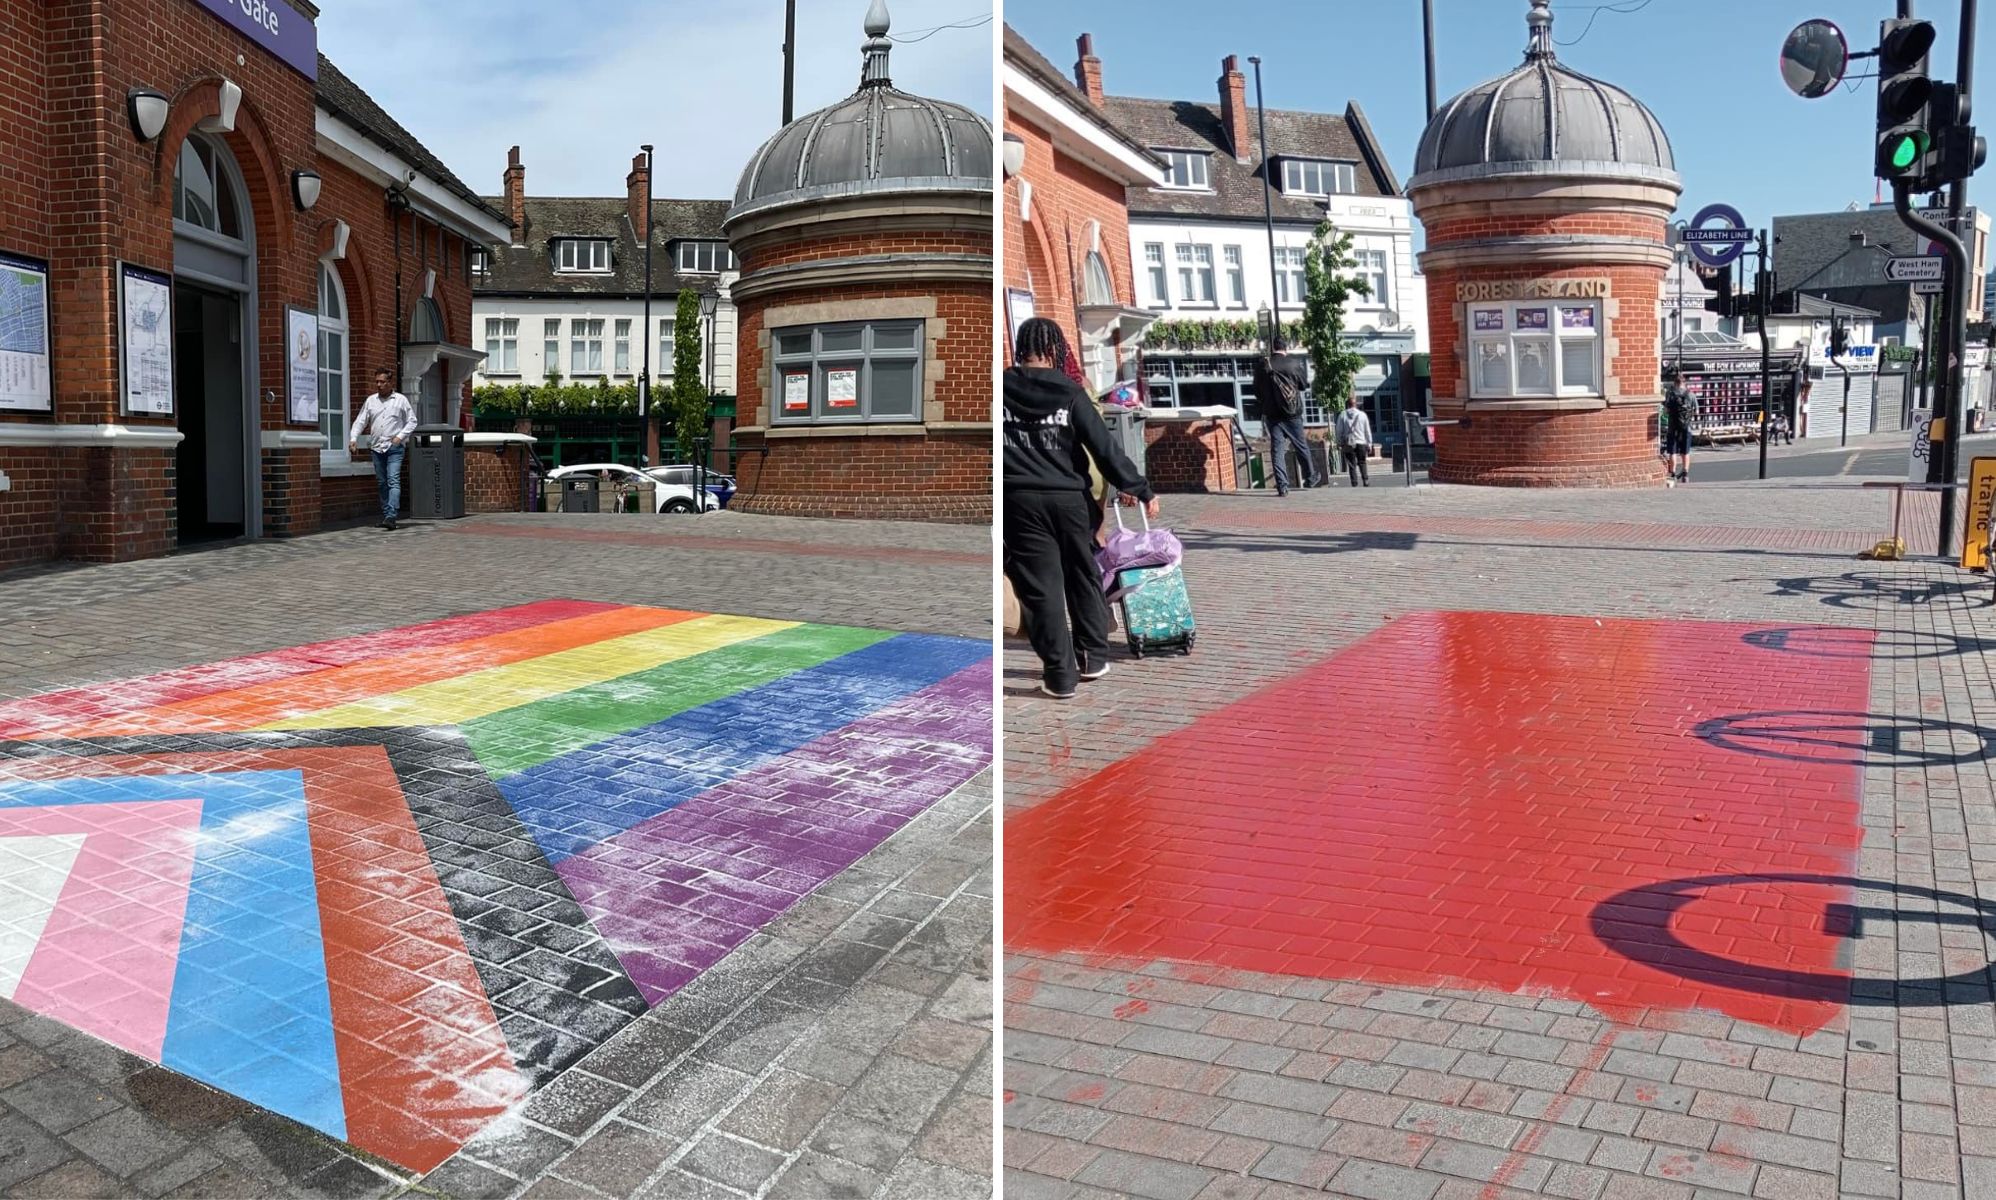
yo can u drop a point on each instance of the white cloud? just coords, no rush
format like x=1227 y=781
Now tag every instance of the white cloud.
x=580 y=86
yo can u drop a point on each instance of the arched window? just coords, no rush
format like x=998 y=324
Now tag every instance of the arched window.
x=333 y=373
x=1096 y=287
x=201 y=196
x=428 y=323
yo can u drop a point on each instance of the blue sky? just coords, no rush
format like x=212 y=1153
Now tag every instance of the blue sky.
x=1708 y=68
x=580 y=86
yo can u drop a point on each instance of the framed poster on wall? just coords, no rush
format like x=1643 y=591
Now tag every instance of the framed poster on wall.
x=301 y=357
x=24 y=335
x=1019 y=308
x=145 y=340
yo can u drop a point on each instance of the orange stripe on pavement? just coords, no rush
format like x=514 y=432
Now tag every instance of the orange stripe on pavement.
x=285 y=699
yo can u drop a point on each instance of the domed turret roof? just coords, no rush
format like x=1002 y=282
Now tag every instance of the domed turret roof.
x=877 y=140
x=1542 y=113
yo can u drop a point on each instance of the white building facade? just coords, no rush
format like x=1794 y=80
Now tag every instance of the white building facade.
x=1200 y=246
x=565 y=299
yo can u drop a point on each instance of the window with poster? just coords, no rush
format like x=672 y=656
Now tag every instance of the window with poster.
x=854 y=372
x=1534 y=348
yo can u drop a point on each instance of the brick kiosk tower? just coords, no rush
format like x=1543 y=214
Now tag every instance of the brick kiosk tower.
x=864 y=236
x=1546 y=197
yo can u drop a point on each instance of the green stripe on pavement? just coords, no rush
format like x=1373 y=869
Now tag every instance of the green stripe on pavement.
x=519 y=738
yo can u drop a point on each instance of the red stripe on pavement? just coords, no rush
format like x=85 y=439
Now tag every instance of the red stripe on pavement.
x=40 y=715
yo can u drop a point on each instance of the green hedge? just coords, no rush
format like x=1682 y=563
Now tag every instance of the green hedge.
x=1216 y=335
x=556 y=399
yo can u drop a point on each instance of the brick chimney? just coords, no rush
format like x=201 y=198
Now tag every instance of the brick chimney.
x=636 y=184
x=516 y=196
x=1233 y=108
x=1088 y=69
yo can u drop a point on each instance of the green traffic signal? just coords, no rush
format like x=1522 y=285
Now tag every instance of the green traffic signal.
x=1906 y=152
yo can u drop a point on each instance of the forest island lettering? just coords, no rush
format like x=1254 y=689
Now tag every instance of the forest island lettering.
x=1532 y=289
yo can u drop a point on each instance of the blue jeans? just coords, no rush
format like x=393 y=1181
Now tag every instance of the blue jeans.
x=1292 y=429
x=388 y=480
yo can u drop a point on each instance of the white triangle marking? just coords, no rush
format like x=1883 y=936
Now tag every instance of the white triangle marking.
x=32 y=872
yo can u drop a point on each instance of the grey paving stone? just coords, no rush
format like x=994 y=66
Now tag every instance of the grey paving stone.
x=617 y=1158
x=819 y=1177
x=124 y=1142
x=731 y=1161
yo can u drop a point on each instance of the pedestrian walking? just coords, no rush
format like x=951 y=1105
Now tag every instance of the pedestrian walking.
x=1278 y=384
x=388 y=416
x=1679 y=407
x=1052 y=430
x=1354 y=433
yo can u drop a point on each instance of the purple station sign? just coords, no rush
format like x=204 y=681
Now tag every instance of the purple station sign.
x=276 y=26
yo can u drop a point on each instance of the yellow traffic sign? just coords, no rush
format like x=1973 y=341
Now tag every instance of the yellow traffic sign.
x=1981 y=492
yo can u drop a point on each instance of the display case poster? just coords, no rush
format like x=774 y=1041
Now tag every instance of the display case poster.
x=1020 y=307
x=1489 y=322
x=1576 y=318
x=301 y=352
x=1534 y=318
x=145 y=345
x=842 y=388
x=24 y=334
x=797 y=391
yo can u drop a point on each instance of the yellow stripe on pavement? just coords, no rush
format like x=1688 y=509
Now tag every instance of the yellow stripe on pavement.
x=482 y=693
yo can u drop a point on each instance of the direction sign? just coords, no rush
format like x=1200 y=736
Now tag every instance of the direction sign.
x=1929 y=287
x=1718 y=235
x=1916 y=268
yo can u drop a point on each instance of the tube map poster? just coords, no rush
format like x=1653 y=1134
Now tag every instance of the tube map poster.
x=24 y=334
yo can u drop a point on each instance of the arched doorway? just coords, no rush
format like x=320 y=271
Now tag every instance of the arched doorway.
x=426 y=328
x=214 y=345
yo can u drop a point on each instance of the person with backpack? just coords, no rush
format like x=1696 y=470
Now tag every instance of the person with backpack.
x=1278 y=383
x=1679 y=409
x=1052 y=430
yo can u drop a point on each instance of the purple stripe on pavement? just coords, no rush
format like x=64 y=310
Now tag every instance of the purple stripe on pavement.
x=676 y=893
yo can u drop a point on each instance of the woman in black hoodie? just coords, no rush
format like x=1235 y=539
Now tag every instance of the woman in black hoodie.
x=1051 y=428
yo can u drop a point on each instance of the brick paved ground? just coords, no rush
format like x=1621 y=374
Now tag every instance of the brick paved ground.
x=1394 y=1076
x=841 y=1048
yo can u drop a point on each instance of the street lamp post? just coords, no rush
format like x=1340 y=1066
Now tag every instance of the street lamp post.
x=1268 y=202
x=710 y=304
x=644 y=374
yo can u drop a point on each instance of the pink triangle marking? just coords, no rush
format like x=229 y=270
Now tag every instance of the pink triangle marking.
x=106 y=957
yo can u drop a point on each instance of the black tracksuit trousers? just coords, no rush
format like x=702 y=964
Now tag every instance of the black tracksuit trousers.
x=1050 y=559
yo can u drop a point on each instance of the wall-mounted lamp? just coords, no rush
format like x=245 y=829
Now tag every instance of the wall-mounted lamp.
x=148 y=110
x=1015 y=154
x=224 y=120
x=305 y=189
x=341 y=232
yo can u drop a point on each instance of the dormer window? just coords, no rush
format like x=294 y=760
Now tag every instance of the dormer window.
x=1186 y=170
x=582 y=256
x=481 y=262
x=1318 y=177
x=704 y=258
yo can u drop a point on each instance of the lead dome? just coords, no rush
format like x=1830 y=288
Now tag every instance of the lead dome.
x=877 y=140
x=1542 y=114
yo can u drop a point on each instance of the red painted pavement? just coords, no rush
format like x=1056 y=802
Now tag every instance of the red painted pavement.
x=1447 y=802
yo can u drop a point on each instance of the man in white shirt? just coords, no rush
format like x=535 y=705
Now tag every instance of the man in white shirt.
x=1355 y=439
x=388 y=415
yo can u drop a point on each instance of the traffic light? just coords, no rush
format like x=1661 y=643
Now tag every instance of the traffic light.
x=1839 y=337
x=1905 y=147
x=1722 y=303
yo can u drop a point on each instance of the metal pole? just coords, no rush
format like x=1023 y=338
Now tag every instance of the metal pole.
x=1764 y=302
x=644 y=376
x=1958 y=283
x=1952 y=346
x=1428 y=36
x=1843 y=439
x=1268 y=208
x=790 y=58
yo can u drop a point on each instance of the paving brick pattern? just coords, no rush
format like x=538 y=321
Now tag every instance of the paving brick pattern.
x=1167 y=1077
x=841 y=1043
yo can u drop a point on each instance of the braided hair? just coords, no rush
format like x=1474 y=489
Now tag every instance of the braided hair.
x=1042 y=338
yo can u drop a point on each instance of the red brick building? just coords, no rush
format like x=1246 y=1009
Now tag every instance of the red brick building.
x=186 y=208
x=864 y=238
x=1067 y=210
x=1546 y=196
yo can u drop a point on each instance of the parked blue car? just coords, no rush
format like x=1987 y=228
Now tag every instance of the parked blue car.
x=721 y=487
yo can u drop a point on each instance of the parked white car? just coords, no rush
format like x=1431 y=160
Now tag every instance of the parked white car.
x=672 y=498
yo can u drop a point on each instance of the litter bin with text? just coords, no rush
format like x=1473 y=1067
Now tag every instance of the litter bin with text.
x=436 y=472
x=580 y=494
x=1126 y=429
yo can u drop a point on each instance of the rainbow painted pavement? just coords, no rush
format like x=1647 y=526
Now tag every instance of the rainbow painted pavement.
x=388 y=885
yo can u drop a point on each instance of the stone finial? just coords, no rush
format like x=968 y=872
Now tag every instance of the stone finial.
x=1539 y=24
x=877 y=20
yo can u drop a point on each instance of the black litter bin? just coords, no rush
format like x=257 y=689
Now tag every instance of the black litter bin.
x=436 y=472
x=580 y=494
x=1126 y=429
